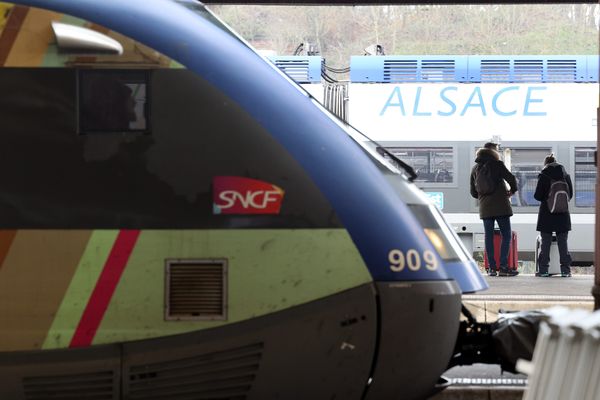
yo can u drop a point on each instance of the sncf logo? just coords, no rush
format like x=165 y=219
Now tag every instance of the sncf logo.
x=237 y=195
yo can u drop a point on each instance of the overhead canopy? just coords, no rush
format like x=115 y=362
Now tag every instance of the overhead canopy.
x=390 y=2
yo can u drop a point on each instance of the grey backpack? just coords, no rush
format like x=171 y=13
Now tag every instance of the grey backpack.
x=558 y=197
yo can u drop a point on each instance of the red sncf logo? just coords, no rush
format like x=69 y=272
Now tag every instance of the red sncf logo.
x=237 y=195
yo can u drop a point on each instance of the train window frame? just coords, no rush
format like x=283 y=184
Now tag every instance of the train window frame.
x=573 y=172
x=452 y=148
x=544 y=151
x=124 y=76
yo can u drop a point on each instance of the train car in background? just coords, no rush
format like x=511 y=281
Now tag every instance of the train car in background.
x=434 y=112
x=173 y=226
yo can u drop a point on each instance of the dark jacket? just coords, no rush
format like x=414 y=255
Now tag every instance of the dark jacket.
x=548 y=222
x=496 y=204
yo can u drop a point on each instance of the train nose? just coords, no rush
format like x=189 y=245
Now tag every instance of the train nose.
x=418 y=328
x=457 y=261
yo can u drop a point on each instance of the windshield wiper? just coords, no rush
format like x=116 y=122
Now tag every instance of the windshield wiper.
x=412 y=175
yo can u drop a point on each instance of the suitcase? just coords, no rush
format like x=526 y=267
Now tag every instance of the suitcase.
x=513 y=255
x=554 y=265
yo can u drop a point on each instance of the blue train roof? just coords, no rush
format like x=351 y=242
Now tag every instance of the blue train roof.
x=474 y=69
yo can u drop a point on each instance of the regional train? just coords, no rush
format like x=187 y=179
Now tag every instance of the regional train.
x=174 y=226
x=434 y=112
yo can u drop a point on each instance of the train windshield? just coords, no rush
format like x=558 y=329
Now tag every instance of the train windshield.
x=372 y=148
x=366 y=143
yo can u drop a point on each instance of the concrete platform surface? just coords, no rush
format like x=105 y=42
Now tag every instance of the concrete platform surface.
x=528 y=292
x=529 y=285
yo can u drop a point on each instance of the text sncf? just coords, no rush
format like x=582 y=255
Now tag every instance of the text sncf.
x=259 y=199
x=238 y=195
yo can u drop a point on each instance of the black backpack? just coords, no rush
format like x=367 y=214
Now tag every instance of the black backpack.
x=558 y=197
x=485 y=182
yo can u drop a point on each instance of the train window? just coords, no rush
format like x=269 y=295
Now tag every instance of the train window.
x=113 y=101
x=526 y=164
x=585 y=177
x=432 y=164
x=103 y=180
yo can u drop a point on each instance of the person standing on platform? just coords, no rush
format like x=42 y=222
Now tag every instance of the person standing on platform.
x=488 y=178
x=554 y=190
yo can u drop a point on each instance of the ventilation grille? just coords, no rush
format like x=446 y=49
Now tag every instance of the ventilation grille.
x=562 y=70
x=437 y=70
x=196 y=289
x=474 y=69
x=528 y=71
x=425 y=70
x=495 y=70
x=298 y=70
x=96 y=386
x=220 y=375
x=400 y=70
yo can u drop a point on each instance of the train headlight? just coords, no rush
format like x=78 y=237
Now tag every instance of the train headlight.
x=445 y=241
x=438 y=242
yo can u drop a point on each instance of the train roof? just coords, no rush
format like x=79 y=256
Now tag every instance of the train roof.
x=451 y=68
x=475 y=68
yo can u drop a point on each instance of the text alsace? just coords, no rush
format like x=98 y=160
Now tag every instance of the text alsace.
x=524 y=101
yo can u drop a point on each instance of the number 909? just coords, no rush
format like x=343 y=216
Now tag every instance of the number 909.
x=412 y=259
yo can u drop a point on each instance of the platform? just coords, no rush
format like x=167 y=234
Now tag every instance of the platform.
x=528 y=292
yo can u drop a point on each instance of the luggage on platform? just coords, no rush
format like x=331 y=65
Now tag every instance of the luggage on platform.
x=554 y=265
x=513 y=255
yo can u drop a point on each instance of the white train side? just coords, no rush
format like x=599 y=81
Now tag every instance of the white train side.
x=435 y=112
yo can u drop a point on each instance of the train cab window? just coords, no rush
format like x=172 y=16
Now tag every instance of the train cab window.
x=73 y=153
x=585 y=177
x=433 y=165
x=113 y=101
x=526 y=164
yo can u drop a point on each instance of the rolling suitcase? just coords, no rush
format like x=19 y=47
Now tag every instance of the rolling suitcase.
x=513 y=255
x=554 y=265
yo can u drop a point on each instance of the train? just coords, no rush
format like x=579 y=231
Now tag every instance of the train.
x=173 y=226
x=435 y=111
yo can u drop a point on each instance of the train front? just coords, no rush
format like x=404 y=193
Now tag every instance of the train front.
x=180 y=220
x=419 y=282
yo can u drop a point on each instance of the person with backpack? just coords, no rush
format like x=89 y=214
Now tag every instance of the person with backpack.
x=488 y=178
x=554 y=190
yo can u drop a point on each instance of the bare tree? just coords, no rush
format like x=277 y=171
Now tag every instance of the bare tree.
x=343 y=31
